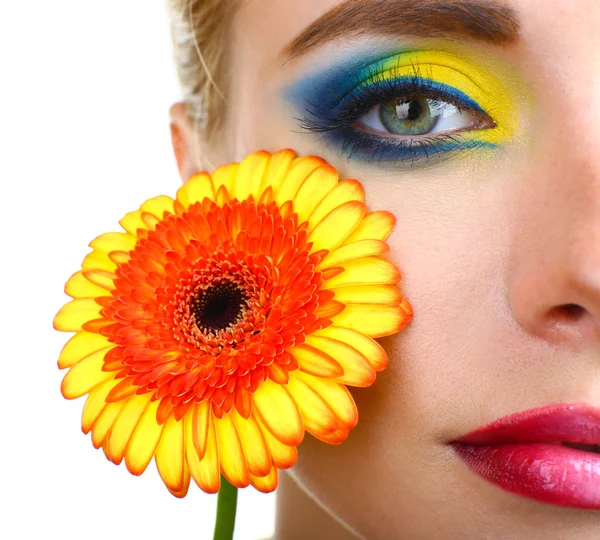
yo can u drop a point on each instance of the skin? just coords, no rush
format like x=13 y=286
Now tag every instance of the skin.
x=494 y=247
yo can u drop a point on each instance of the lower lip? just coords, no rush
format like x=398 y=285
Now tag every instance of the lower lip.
x=548 y=473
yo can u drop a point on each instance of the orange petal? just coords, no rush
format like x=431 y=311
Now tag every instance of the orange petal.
x=249 y=178
x=321 y=181
x=316 y=362
x=125 y=425
x=206 y=473
x=231 y=454
x=367 y=346
x=344 y=191
x=357 y=369
x=265 y=484
x=144 y=441
x=317 y=415
x=279 y=412
x=336 y=226
x=79 y=346
x=375 y=225
x=254 y=445
x=364 y=271
x=169 y=455
x=388 y=295
x=79 y=287
x=85 y=375
x=355 y=250
x=196 y=189
x=373 y=320
x=74 y=314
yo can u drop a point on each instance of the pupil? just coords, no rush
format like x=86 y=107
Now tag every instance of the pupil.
x=414 y=110
x=219 y=306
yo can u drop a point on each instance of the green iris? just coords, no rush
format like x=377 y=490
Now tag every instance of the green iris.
x=408 y=117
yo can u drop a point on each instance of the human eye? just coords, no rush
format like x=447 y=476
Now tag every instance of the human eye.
x=405 y=109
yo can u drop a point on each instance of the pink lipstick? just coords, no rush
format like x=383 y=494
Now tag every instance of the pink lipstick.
x=551 y=454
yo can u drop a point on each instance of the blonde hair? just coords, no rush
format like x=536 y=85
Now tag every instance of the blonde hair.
x=199 y=30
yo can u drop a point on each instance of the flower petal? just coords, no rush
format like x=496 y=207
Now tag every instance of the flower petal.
x=74 y=314
x=301 y=169
x=388 y=295
x=321 y=181
x=94 y=405
x=357 y=371
x=283 y=455
x=125 y=425
x=144 y=441
x=355 y=250
x=363 y=271
x=316 y=362
x=169 y=455
x=279 y=413
x=225 y=176
x=336 y=226
x=196 y=189
x=101 y=278
x=278 y=166
x=113 y=241
x=231 y=454
x=254 y=445
x=265 y=484
x=375 y=225
x=249 y=178
x=206 y=473
x=199 y=427
x=99 y=260
x=105 y=421
x=344 y=191
x=370 y=349
x=317 y=415
x=373 y=320
x=85 y=375
x=79 y=346
x=79 y=287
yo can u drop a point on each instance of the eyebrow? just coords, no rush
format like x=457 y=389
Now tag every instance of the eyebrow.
x=483 y=20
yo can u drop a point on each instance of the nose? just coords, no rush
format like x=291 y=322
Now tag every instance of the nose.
x=554 y=264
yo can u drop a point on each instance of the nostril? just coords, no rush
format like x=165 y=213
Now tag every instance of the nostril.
x=568 y=313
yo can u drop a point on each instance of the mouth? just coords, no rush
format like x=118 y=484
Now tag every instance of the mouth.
x=550 y=454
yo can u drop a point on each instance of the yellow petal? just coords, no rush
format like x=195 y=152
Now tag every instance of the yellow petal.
x=388 y=295
x=345 y=191
x=225 y=176
x=364 y=271
x=231 y=453
x=74 y=314
x=199 y=425
x=314 y=361
x=85 y=375
x=196 y=189
x=206 y=473
x=125 y=425
x=79 y=287
x=336 y=395
x=253 y=443
x=375 y=225
x=169 y=454
x=301 y=169
x=113 y=241
x=250 y=174
x=144 y=441
x=317 y=415
x=283 y=456
x=79 y=346
x=277 y=169
x=373 y=320
x=355 y=250
x=368 y=347
x=132 y=221
x=98 y=260
x=101 y=278
x=94 y=405
x=357 y=369
x=336 y=226
x=105 y=421
x=180 y=494
x=311 y=192
x=265 y=484
x=156 y=206
x=279 y=412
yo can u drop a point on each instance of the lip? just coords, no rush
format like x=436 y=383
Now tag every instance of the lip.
x=523 y=454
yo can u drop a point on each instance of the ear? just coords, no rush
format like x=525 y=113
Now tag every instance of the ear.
x=185 y=142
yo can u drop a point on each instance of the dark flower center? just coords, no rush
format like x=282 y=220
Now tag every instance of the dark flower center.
x=219 y=306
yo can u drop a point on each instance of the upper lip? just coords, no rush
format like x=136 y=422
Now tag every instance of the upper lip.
x=560 y=423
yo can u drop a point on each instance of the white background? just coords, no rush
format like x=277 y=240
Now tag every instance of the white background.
x=85 y=89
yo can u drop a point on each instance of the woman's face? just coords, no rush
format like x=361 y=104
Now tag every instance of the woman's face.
x=491 y=164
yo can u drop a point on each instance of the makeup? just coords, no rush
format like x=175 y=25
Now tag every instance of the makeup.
x=336 y=101
x=551 y=454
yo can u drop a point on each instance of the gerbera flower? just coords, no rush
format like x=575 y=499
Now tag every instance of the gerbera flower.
x=223 y=324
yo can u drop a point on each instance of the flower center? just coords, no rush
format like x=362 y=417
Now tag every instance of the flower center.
x=218 y=307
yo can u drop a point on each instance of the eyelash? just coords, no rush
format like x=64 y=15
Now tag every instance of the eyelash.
x=336 y=120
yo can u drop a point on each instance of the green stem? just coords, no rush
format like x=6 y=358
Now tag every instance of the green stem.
x=226 y=507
